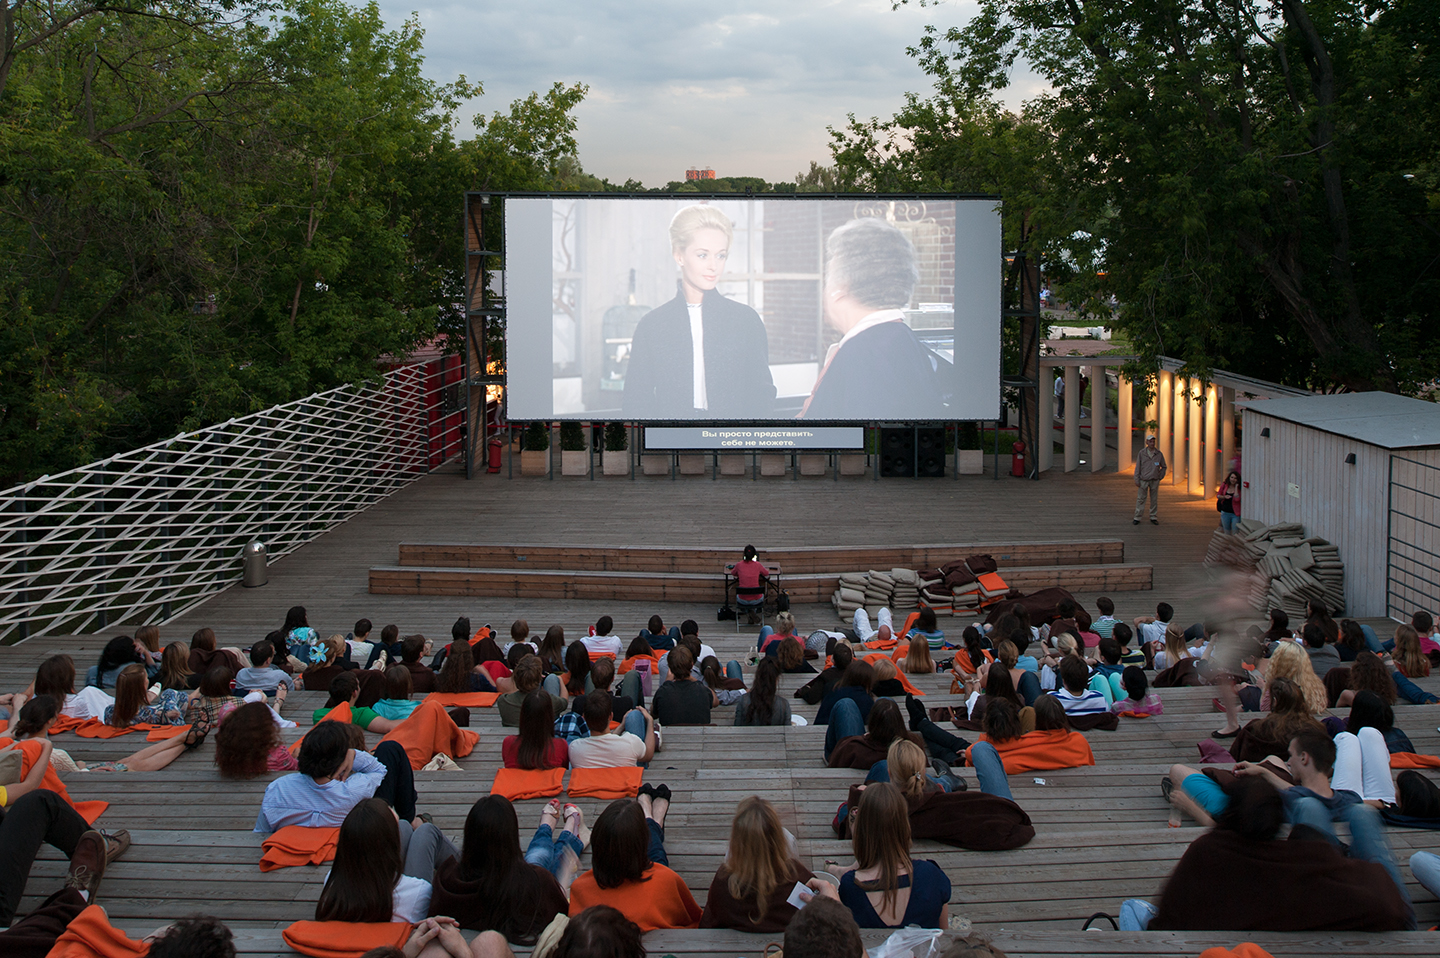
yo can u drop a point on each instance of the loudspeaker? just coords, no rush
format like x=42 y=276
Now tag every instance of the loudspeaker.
x=897 y=453
x=930 y=444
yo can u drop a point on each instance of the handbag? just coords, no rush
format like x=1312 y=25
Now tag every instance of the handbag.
x=726 y=614
x=12 y=760
x=782 y=601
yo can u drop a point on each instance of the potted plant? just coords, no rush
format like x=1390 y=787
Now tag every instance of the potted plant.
x=535 y=450
x=574 y=460
x=616 y=461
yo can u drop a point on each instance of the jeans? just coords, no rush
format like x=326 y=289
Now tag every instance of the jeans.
x=1151 y=488
x=880 y=772
x=1029 y=687
x=40 y=817
x=1136 y=914
x=548 y=850
x=631 y=688
x=656 y=851
x=397 y=788
x=1367 y=836
x=765 y=633
x=663 y=642
x=845 y=721
x=989 y=770
x=424 y=849
x=1411 y=692
x=636 y=725
x=1426 y=868
x=1229 y=521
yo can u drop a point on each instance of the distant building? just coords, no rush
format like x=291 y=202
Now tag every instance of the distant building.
x=693 y=174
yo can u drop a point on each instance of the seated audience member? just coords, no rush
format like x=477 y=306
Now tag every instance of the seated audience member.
x=927 y=626
x=997 y=685
x=248 y=744
x=727 y=687
x=1352 y=640
x=847 y=707
x=1172 y=650
x=345 y=687
x=491 y=885
x=1323 y=656
x=760 y=705
x=1369 y=710
x=552 y=650
x=860 y=625
x=56 y=678
x=600 y=641
x=769 y=638
x=791 y=656
x=1128 y=655
x=976 y=652
x=387 y=645
x=133 y=704
x=939 y=744
x=629 y=868
x=460 y=675
x=750 y=890
x=520 y=635
x=883 y=726
x=459 y=633
x=381 y=872
x=1026 y=681
x=599 y=932
x=657 y=637
x=261 y=675
x=1053 y=744
x=628 y=694
x=816 y=689
x=690 y=630
x=1366 y=672
x=299 y=639
x=634 y=745
x=213 y=700
x=35 y=817
x=529 y=673
x=1239 y=877
x=175 y=668
x=37 y=719
x=1104 y=625
x=117 y=654
x=885 y=887
x=1106 y=668
x=917 y=659
x=638 y=655
x=887 y=679
x=204 y=655
x=1138 y=700
x=396 y=704
x=536 y=746
x=681 y=700
x=824 y=928
x=333 y=777
x=575 y=680
x=1151 y=628
x=327 y=660
x=422 y=677
x=1074 y=693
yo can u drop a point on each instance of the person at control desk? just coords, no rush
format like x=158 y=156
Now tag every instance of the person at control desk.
x=701 y=355
x=879 y=369
x=750 y=575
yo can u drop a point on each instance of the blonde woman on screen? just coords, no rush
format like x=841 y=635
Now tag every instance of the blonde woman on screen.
x=701 y=355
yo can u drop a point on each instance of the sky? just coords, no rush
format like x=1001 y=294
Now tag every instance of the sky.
x=746 y=88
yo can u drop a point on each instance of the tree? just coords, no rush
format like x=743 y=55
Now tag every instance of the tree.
x=1232 y=173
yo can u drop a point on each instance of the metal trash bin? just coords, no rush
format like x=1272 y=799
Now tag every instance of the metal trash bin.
x=257 y=573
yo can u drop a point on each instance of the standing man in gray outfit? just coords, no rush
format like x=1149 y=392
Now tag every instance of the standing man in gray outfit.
x=1150 y=468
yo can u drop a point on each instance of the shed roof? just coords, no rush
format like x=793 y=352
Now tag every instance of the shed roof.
x=1379 y=418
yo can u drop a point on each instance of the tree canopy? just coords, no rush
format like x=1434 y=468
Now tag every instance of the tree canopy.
x=1246 y=185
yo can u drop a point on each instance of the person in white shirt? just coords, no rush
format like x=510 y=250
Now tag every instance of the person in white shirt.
x=601 y=642
x=634 y=744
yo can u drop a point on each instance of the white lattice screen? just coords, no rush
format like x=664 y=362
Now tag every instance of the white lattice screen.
x=150 y=533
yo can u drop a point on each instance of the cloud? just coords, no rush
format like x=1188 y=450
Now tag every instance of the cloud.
x=747 y=89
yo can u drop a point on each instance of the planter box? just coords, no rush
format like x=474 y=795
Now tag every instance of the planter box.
x=814 y=465
x=655 y=465
x=574 y=462
x=773 y=465
x=692 y=465
x=733 y=465
x=852 y=464
x=535 y=463
x=972 y=462
x=615 y=463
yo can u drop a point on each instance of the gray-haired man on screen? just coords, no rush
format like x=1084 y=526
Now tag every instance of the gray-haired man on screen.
x=879 y=369
x=1150 y=468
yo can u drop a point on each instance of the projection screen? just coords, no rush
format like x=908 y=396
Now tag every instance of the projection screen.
x=718 y=309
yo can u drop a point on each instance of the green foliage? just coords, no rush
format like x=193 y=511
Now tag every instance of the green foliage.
x=1241 y=185
x=572 y=436
x=536 y=437
x=616 y=437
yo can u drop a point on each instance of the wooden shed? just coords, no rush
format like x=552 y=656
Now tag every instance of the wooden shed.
x=1359 y=469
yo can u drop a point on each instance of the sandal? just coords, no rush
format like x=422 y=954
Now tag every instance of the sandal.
x=1223 y=735
x=196 y=736
x=1167 y=785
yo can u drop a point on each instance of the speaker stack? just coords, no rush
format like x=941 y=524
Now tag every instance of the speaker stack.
x=903 y=448
x=930 y=447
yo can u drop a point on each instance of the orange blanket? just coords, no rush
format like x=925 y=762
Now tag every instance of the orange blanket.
x=660 y=900
x=30 y=748
x=340 y=713
x=345 y=939
x=874 y=657
x=429 y=731
x=68 y=723
x=629 y=664
x=1037 y=751
x=91 y=935
x=161 y=732
x=606 y=782
x=521 y=783
x=94 y=728
x=299 y=845
x=963 y=663
x=881 y=644
x=469 y=700
x=1246 y=949
x=910 y=621
x=1412 y=760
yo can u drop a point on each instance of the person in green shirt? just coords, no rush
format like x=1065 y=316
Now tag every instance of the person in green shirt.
x=346 y=688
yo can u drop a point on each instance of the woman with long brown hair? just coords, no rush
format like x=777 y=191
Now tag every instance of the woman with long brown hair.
x=917 y=661
x=750 y=890
x=537 y=745
x=56 y=678
x=133 y=704
x=458 y=674
x=630 y=870
x=248 y=744
x=379 y=875
x=175 y=670
x=885 y=887
x=39 y=715
x=1410 y=660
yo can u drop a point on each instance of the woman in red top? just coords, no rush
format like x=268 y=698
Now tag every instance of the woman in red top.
x=749 y=590
x=536 y=746
x=630 y=877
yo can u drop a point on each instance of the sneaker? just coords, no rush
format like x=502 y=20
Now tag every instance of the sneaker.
x=87 y=864
x=1154 y=522
x=1135 y=522
x=116 y=844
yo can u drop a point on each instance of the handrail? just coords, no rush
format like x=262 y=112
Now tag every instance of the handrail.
x=157 y=530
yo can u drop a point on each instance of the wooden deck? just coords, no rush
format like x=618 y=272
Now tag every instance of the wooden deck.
x=1101 y=831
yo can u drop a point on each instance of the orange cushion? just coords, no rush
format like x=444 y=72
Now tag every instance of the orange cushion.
x=345 y=939
x=606 y=782
x=521 y=783
x=299 y=845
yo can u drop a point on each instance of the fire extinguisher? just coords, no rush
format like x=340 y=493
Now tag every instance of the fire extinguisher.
x=495 y=446
x=1017 y=460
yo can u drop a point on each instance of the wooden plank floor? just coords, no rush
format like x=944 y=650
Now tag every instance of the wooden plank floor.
x=1101 y=832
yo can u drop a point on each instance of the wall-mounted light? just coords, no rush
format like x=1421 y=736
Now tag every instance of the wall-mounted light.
x=1265 y=433
x=1350 y=459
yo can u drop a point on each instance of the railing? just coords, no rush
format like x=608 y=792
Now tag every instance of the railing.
x=151 y=533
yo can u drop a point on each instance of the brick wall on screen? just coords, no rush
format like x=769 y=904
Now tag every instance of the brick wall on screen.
x=935 y=242
x=791 y=306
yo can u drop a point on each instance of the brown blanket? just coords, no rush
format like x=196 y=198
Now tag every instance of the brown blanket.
x=1043 y=607
x=973 y=820
x=1225 y=882
x=1182 y=674
x=1104 y=721
x=858 y=751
